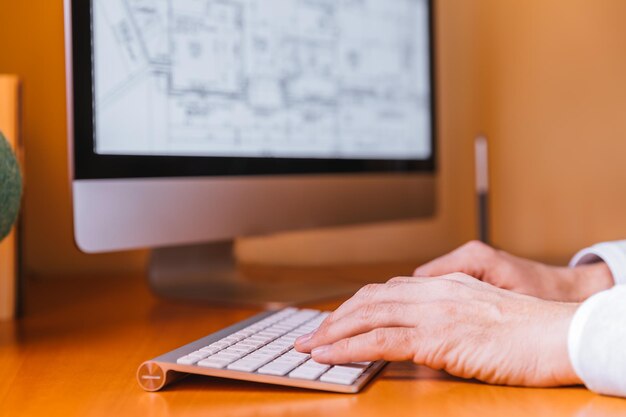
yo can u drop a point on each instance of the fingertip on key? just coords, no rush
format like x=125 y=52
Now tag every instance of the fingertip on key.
x=321 y=353
x=302 y=341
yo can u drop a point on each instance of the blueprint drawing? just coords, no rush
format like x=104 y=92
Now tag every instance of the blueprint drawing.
x=262 y=78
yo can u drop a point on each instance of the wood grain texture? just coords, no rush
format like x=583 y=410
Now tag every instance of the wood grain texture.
x=76 y=352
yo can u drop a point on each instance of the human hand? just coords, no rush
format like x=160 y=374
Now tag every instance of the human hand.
x=521 y=275
x=466 y=327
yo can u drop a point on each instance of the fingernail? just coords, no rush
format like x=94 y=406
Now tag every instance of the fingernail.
x=320 y=351
x=305 y=338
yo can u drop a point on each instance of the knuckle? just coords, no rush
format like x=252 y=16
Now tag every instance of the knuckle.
x=332 y=317
x=369 y=312
x=393 y=345
x=450 y=284
x=368 y=291
x=445 y=282
x=407 y=338
x=393 y=309
x=474 y=246
x=344 y=345
x=396 y=284
x=381 y=339
x=482 y=249
x=477 y=254
x=457 y=277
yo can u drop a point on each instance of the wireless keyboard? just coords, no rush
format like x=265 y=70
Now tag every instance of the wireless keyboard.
x=259 y=349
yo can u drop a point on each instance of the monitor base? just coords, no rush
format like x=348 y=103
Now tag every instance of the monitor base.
x=209 y=273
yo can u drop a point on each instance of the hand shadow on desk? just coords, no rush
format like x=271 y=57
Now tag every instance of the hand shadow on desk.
x=436 y=393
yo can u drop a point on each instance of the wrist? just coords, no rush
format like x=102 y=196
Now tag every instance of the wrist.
x=590 y=279
x=563 y=370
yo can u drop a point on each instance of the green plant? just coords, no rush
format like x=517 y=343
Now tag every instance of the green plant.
x=10 y=187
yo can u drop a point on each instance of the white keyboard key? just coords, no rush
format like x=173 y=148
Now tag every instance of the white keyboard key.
x=282 y=327
x=271 y=331
x=238 y=337
x=295 y=354
x=277 y=368
x=343 y=374
x=295 y=361
x=264 y=334
x=252 y=344
x=243 y=349
x=220 y=345
x=200 y=354
x=187 y=360
x=265 y=354
x=348 y=370
x=308 y=374
x=277 y=348
x=338 y=378
x=311 y=363
x=259 y=339
x=210 y=350
x=283 y=339
x=245 y=366
x=310 y=370
x=228 y=355
x=213 y=362
x=250 y=363
x=292 y=357
x=261 y=358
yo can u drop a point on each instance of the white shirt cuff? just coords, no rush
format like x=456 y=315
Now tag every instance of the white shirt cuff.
x=597 y=339
x=612 y=253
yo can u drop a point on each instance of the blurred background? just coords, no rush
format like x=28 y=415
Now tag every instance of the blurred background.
x=544 y=79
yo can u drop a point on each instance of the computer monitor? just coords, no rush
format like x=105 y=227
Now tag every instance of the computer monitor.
x=197 y=121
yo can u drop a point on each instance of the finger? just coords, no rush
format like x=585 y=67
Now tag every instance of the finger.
x=406 y=280
x=399 y=292
x=455 y=276
x=362 y=320
x=391 y=344
x=472 y=258
x=402 y=292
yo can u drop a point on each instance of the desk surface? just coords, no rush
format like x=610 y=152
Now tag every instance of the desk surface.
x=76 y=351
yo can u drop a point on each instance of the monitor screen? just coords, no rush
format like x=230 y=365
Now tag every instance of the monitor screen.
x=262 y=78
x=241 y=84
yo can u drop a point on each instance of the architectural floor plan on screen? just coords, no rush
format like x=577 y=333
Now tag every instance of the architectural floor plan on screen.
x=262 y=78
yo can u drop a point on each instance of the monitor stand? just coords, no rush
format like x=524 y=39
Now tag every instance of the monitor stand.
x=209 y=273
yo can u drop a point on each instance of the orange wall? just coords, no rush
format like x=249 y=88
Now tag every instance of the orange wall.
x=31 y=45
x=556 y=113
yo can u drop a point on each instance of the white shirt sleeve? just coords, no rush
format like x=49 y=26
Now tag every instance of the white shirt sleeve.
x=597 y=334
x=612 y=253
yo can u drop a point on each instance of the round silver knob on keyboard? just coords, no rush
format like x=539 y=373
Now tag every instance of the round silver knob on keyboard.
x=150 y=376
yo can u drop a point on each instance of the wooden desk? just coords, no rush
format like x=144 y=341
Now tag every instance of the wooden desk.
x=76 y=351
